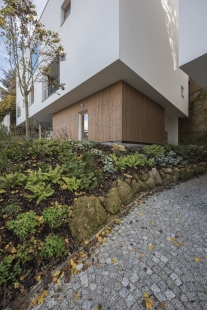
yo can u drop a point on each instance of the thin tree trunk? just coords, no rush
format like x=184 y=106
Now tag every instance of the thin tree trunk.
x=27 y=117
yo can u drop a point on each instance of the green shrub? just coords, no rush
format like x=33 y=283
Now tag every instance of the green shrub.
x=25 y=224
x=131 y=161
x=53 y=247
x=88 y=181
x=56 y=216
x=39 y=191
x=71 y=184
x=12 y=180
x=154 y=150
x=12 y=208
x=5 y=266
x=53 y=175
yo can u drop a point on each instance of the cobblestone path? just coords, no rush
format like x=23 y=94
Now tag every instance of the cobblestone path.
x=173 y=224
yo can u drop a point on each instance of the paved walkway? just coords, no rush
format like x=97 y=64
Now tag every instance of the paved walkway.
x=160 y=248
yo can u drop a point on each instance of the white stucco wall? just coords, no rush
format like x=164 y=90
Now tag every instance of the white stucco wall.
x=192 y=28
x=90 y=37
x=171 y=126
x=149 y=45
x=107 y=41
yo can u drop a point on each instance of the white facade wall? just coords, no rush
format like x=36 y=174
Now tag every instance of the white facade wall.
x=171 y=127
x=6 y=121
x=149 y=45
x=192 y=42
x=106 y=41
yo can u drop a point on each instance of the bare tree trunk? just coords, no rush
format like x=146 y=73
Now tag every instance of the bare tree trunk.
x=27 y=117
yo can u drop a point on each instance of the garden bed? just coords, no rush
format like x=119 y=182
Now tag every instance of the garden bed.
x=55 y=194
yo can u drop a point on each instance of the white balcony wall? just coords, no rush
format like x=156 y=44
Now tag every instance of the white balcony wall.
x=149 y=46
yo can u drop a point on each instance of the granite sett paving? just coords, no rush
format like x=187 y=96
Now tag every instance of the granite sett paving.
x=173 y=224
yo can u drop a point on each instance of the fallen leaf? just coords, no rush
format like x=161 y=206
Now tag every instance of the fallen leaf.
x=149 y=303
x=145 y=295
x=59 y=282
x=153 y=223
x=66 y=241
x=151 y=247
x=56 y=274
x=38 y=278
x=162 y=305
x=117 y=221
x=13 y=250
x=114 y=261
x=86 y=242
x=16 y=285
x=142 y=255
x=172 y=239
x=76 y=297
x=133 y=249
x=62 y=275
x=33 y=303
x=140 y=213
x=197 y=259
x=73 y=266
x=200 y=215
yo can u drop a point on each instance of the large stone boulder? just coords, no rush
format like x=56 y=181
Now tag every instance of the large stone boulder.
x=167 y=170
x=158 y=179
x=162 y=174
x=112 y=202
x=176 y=173
x=143 y=176
x=138 y=187
x=125 y=192
x=89 y=216
x=168 y=179
x=201 y=169
x=151 y=181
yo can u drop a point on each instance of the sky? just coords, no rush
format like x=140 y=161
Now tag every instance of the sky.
x=40 y=4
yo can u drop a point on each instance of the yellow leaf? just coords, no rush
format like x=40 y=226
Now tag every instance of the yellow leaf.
x=75 y=199
x=151 y=247
x=142 y=255
x=86 y=242
x=172 y=239
x=200 y=215
x=74 y=266
x=56 y=274
x=16 y=284
x=62 y=275
x=153 y=223
x=62 y=298
x=146 y=295
x=133 y=249
x=117 y=221
x=54 y=279
x=140 y=213
x=59 y=282
x=66 y=240
x=13 y=250
x=33 y=303
x=149 y=303
x=76 y=297
x=38 y=278
x=197 y=259
x=181 y=243
x=21 y=278
x=114 y=261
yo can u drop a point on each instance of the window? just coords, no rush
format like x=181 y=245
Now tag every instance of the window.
x=182 y=91
x=66 y=10
x=83 y=126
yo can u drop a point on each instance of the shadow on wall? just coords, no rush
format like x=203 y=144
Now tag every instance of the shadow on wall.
x=171 y=19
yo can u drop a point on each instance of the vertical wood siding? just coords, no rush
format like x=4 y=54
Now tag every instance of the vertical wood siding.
x=104 y=116
x=143 y=120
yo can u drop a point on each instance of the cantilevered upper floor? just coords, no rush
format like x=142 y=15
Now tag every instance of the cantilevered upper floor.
x=107 y=41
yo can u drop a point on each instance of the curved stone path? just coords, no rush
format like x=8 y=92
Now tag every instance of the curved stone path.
x=159 y=248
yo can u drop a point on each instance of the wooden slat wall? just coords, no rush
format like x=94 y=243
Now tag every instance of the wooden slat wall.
x=143 y=120
x=193 y=86
x=104 y=112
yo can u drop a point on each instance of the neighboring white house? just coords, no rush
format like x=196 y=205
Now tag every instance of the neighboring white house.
x=192 y=40
x=122 y=80
x=6 y=121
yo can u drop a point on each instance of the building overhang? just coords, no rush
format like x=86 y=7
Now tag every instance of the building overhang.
x=197 y=70
x=113 y=73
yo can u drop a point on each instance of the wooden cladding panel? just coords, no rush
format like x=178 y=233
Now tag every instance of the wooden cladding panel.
x=143 y=120
x=193 y=86
x=104 y=116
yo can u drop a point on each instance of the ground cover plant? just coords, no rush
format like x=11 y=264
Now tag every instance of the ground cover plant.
x=39 y=182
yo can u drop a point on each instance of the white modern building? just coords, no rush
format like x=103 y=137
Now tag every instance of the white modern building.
x=192 y=40
x=122 y=76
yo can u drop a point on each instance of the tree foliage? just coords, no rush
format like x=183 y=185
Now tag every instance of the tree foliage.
x=31 y=48
x=8 y=95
